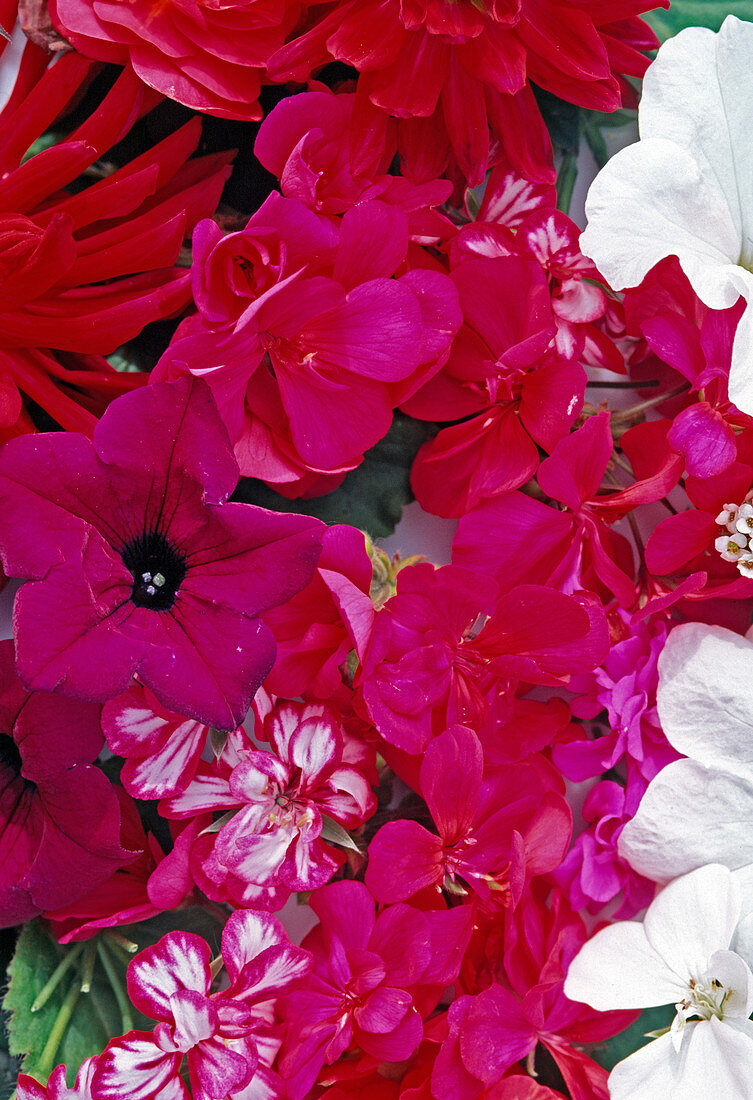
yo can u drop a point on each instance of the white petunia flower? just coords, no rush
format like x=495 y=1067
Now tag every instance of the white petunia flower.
x=686 y=188
x=686 y=952
x=699 y=810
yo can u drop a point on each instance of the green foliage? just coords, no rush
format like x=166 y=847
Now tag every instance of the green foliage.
x=371 y=497
x=697 y=13
x=611 y=1052
x=74 y=1023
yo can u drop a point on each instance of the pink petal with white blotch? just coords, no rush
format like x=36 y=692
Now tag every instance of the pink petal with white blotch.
x=195 y=1019
x=134 y=1066
x=307 y=739
x=245 y=935
x=162 y=749
x=216 y=1071
x=179 y=961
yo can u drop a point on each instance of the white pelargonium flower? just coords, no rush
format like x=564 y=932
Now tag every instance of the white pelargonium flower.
x=686 y=188
x=687 y=952
x=700 y=809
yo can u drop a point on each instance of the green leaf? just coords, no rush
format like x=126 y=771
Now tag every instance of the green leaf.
x=334 y=833
x=696 y=13
x=609 y=1053
x=94 y=1017
x=371 y=497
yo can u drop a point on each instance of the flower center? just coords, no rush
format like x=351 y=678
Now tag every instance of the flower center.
x=704 y=999
x=9 y=754
x=158 y=570
x=736 y=544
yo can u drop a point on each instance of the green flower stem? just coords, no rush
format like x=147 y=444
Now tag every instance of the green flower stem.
x=127 y=945
x=66 y=962
x=117 y=987
x=566 y=181
x=46 y=1062
x=118 y=950
x=90 y=957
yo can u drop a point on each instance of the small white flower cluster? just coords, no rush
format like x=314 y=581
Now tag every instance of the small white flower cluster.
x=737 y=544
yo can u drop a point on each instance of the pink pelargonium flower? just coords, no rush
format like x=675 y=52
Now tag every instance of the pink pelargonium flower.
x=305 y=142
x=494 y=830
x=429 y=666
x=305 y=337
x=370 y=976
x=282 y=798
x=137 y=564
x=209 y=56
x=217 y=1032
x=56 y=1088
x=499 y=376
x=316 y=629
x=59 y=816
x=519 y=539
x=521 y=1005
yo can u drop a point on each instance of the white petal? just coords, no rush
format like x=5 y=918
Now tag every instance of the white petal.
x=619 y=969
x=690 y=816
x=649 y=1073
x=741 y=367
x=697 y=94
x=731 y=971
x=653 y=200
x=742 y=941
x=693 y=917
x=718 y=1062
x=705 y=696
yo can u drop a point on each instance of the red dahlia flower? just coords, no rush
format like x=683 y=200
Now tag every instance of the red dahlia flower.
x=137 y=563
x=207 y=55
x=59 y=817
x=82 y=273
x=453 y=71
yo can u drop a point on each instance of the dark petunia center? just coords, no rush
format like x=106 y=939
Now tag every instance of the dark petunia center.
x=158 y=570
x=9 y=754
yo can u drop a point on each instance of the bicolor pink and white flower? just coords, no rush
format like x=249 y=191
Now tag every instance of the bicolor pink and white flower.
x=215 y=1032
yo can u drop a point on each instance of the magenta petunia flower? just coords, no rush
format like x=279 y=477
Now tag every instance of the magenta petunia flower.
x=137 y=564
x=59 y=817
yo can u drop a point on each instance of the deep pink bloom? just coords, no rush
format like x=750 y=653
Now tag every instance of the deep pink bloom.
x=83 y=273
x=428 y=666
x=137 y=563
x=56 y=1088
x=217 y=1032
x=59 y=816
x=210 y=57
x=362 y=990
x=149 y=885
x=520 y=539
x=306 y=339
x=495 y=830
x=524 y=1005
x=453 y=71
x=499 y=377
x=282 y=798
x=316 y=629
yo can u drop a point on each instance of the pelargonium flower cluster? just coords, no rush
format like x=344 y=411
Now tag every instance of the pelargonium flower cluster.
x=446 y=826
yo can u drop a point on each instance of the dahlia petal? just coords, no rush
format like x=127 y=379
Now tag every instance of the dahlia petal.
x=179 y=961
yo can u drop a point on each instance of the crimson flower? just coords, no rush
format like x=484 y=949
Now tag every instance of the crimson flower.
x=137 y=563
x=82 y=273
x=452 y=71
x=59 y=816
x=493 y=830
x=209 y=56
